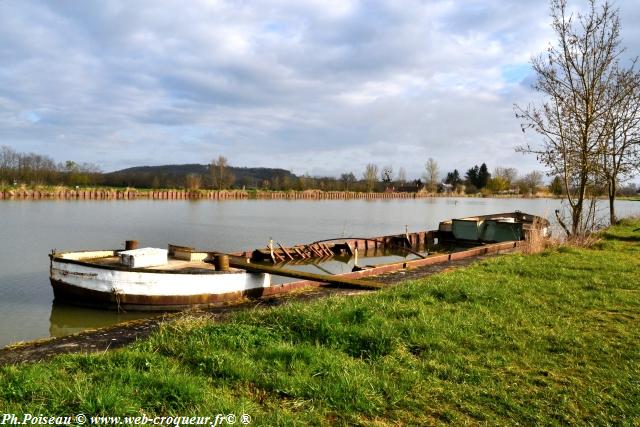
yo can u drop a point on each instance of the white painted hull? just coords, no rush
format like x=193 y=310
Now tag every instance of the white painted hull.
x=146 y=289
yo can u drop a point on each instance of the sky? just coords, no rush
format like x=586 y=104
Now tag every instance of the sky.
x=319 y=87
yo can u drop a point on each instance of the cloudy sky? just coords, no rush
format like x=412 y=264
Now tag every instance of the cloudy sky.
x=319 y=87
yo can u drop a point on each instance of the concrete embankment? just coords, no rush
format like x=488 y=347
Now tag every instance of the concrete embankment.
x=132 y=194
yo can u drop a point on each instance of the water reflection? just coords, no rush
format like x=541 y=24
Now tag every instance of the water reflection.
x=66 y=319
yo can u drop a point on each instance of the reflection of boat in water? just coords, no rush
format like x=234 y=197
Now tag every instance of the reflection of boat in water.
x=179 y=277
x=68 y=319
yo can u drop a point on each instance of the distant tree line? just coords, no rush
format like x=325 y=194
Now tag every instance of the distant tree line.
x=36 y=169
x=503 y=180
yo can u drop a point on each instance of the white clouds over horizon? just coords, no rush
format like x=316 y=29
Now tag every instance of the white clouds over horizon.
x=315 y=86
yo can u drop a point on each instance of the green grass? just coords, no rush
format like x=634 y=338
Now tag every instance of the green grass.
x=551 y=338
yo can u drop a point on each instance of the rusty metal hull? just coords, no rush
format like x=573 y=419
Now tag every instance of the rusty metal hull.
x=494 y=228
x=88 y=278
x=488 y=249
x=85 y=297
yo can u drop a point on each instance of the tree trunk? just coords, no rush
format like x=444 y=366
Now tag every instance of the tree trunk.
x=576 y=210
x=612 y=198
x=576 y=216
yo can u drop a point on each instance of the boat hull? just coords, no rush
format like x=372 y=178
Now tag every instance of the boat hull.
x=495 y=228
x=84 y=297
x=83 y=284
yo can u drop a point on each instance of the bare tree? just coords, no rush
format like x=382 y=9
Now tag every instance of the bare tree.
x=221 y=176
x=509 y=175
x=574 y=75
x=621 y=152
x=7 y=158
x=370 y=176
x=79 y=173
x=193 y=181
x=431 y=175
x=8 y=164
x=402 y=176
x=37 y=169
x=531 y=182
x=347 y=180
x=502 y=179
x=387 y=174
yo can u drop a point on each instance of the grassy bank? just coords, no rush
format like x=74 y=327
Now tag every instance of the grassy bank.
x=550 y=338
x=629 y=198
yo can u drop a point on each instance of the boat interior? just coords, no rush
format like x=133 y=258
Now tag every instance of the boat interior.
x=173 y=263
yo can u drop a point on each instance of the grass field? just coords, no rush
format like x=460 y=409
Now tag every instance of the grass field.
x=550 y=338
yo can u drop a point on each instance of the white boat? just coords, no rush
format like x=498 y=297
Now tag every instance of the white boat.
x=148 y=279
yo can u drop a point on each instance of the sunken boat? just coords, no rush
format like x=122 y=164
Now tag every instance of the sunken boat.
x=153 y=279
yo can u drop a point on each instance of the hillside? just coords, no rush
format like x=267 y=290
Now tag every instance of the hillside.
x=174 y=175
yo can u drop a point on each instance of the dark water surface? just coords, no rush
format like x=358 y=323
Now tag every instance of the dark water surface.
x=29 y=230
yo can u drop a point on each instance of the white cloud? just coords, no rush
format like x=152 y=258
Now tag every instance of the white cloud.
x=310 y=86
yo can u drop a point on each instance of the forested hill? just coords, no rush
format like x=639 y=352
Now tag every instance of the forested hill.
x=175 y=175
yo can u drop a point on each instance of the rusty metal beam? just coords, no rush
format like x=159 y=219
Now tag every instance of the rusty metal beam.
x=322 y=278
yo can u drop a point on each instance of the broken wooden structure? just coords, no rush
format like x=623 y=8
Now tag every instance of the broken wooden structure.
x=343 y=246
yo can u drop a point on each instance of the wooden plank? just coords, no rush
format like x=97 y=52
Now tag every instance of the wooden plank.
x=322 y=278
x=276 y=256
x=325 y=249
x=314 y=251
x=286 y=252
x=320 y=249
x=300 y=254
x=328 y=249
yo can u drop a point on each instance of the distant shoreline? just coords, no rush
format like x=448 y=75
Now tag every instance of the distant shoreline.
x=64 y=193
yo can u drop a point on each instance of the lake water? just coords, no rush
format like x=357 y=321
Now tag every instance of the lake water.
x=29 y=230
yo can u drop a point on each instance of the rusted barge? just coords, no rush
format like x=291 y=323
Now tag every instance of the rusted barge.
x=179 y=277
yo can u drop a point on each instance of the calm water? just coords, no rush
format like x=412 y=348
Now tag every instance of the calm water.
x=29 y=230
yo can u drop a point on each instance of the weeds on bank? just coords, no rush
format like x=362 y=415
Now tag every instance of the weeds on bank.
x=549 y=338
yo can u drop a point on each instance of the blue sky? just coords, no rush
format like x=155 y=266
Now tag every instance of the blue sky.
x=318 y=87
